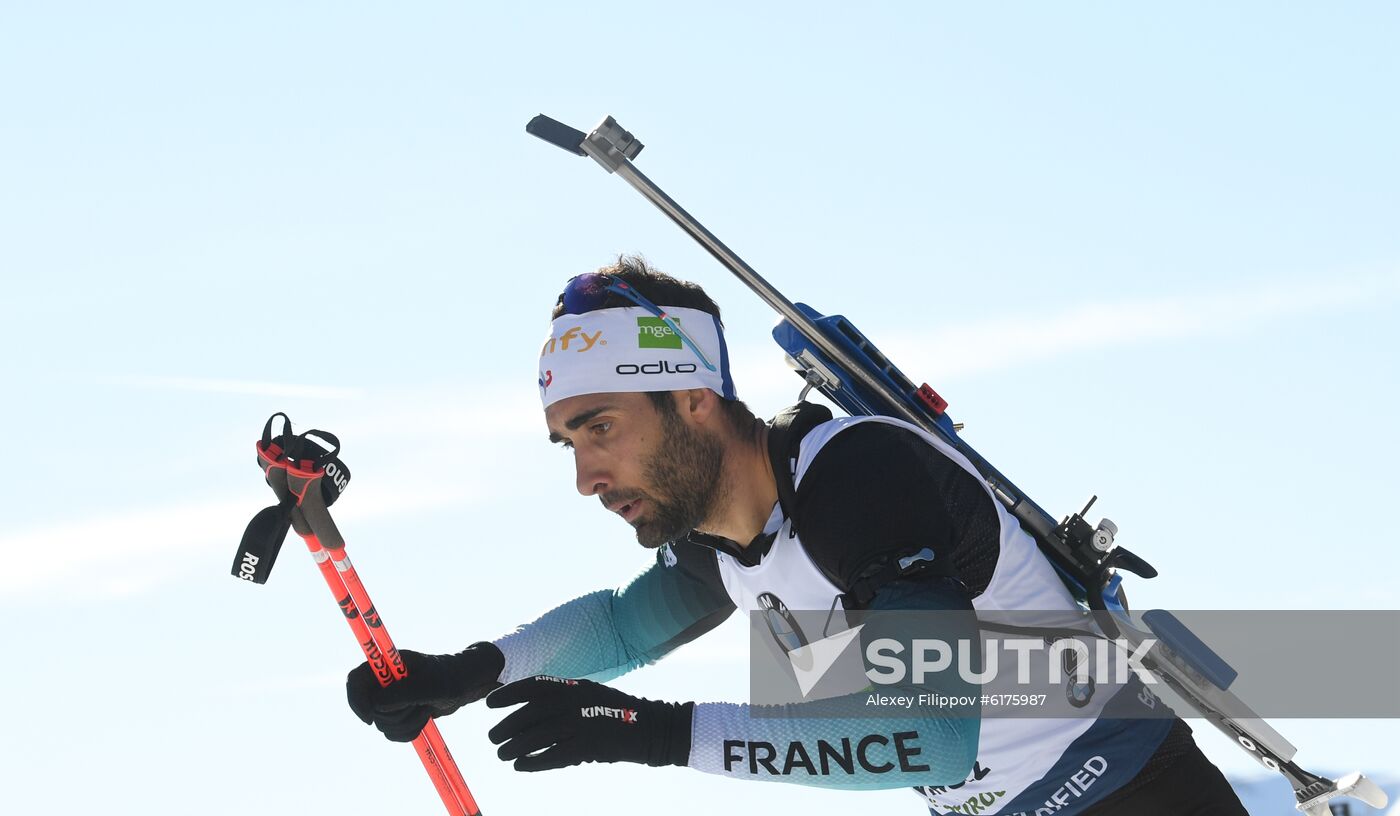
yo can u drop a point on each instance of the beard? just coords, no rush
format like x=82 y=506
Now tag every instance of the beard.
x=688 y=465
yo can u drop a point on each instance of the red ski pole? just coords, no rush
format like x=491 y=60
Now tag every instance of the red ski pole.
x=384 y=659
x=308 y=516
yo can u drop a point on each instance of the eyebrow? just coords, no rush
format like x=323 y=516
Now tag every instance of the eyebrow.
x=578 y=420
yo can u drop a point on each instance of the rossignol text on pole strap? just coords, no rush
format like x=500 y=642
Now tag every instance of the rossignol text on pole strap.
x=262 y=540
x=307 y=476
x=835 y=358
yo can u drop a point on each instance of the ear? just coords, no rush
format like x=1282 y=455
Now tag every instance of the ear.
x=701 y=405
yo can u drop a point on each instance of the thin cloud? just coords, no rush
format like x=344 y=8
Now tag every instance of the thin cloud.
x=243 y=387
x=112 y=554
x=467 y=412
x=132 y=553
x=976 y=348
x=969 y=348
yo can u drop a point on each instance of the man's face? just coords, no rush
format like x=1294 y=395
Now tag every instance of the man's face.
x=657 y=469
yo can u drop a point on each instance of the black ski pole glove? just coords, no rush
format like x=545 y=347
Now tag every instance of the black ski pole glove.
x=436 y=686
x=566 y=722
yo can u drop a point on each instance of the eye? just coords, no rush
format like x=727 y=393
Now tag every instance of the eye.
x=600 y=428
x=566 y=444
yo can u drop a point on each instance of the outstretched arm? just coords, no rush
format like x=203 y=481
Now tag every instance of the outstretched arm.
x=600 y=635
x=608 y=633
x=825 y=743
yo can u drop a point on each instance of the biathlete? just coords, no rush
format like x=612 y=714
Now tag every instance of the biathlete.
x=805 y=512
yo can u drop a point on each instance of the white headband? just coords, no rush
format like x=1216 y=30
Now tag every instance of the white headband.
x=630 y=349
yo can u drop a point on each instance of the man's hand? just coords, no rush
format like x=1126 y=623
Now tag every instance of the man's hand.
x=436 y=686
x=566 y=722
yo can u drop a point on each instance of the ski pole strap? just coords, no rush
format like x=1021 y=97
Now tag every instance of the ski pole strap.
x=279 y=441
x=314 y=451
x=263 y=537
x=261 y=542
x=315 y=455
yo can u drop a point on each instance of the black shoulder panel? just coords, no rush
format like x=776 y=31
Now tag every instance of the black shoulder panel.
x=877 y=493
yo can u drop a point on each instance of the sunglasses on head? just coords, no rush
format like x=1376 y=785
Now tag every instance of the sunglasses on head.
x=588 y=292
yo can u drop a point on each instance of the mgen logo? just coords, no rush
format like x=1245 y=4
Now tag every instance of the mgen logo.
x=652 y=332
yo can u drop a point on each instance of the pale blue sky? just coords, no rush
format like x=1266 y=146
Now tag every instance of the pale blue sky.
x=1145 y=253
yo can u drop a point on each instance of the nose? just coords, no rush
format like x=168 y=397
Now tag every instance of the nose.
x=590 y=476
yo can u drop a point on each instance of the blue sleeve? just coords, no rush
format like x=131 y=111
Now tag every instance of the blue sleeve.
x=828 y=743
x=605 y=634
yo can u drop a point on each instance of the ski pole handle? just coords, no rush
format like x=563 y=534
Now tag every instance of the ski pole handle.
x=301 y=486
x=304 y=482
